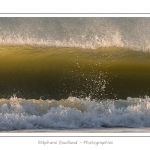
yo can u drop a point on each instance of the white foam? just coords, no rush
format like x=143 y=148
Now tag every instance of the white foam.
x=17 y=113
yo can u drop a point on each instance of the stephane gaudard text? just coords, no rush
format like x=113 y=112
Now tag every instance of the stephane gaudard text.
x=46 y=142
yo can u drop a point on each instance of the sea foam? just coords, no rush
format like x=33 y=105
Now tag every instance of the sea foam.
x=18 y=113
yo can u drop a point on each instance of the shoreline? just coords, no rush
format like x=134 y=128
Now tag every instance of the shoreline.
x=84 y=130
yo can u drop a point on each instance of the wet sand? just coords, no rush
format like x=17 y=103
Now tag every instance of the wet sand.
x=85 y=130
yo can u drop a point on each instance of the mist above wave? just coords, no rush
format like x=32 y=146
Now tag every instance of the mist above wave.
x=77 y=32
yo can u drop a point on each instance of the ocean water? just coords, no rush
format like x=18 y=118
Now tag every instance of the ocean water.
x=74 y=73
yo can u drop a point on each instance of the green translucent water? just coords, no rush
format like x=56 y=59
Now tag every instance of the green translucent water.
x=60 y=72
